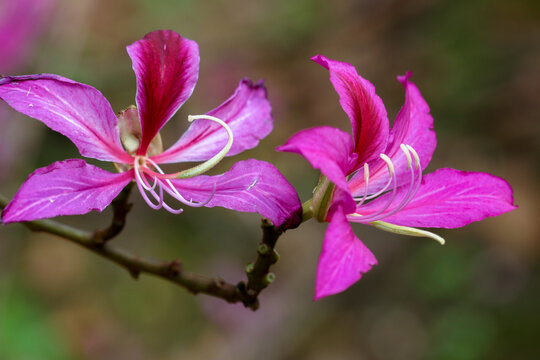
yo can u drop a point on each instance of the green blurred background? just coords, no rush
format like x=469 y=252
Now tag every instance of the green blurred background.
x=477 y=63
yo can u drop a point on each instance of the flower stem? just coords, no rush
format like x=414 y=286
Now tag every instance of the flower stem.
x=258 y=272
x=136 y=265
x=121 y=207
x=307 y=210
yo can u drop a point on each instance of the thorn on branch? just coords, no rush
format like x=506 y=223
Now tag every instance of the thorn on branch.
x=134 y=273
x=174 y=268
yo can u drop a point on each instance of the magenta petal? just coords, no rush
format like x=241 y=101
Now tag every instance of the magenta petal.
x=327 y=149
x=450 y=198
x=344 y=258
x=75 y=110
x=248 y=114
x=167 y=68
x=414 y=127
x=363 y=106
x=70 y=187
x=249 y=186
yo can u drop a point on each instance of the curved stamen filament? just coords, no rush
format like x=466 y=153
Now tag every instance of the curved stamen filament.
x=162 y=203
x=411 y=194
x=377 y=193
x=406 y=230
x=141 y=184
x=366 y=182
x=164 y=180
x=392 y=175
x=414 y=185
x=138 y=175
x=405 y=150
x=208 y=164
x=171 y=189
x=408 y=196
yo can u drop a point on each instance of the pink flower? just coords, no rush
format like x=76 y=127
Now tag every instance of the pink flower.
x=166 y=67
x=377 y=174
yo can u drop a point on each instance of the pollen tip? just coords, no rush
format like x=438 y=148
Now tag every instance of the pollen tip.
x=366 y=172
x=389 y=163
x=415 y=155
x=407 y=155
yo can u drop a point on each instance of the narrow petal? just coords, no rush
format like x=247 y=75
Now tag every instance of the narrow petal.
x=167 y=67
x=327 y=149
x=75 y=110
x=249 y=186
x=450 y=198
x=344 y=258
x=248 y=114
x=70 y=187
x=363 y=106
x=414 y=127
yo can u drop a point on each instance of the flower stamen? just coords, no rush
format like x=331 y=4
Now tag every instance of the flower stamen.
x=414 y=185
x=392 y=175
x=165 y=185
x=171 y=189
x=366 y=182
x=208 y=164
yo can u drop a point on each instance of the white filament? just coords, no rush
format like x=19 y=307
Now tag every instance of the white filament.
x=415 y=181
x=164 y=184
x=210 y=163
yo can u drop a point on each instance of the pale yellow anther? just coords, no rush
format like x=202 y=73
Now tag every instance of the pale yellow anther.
x=407 y=155
x=389 y=163
x=415 y=155
x=366 y=173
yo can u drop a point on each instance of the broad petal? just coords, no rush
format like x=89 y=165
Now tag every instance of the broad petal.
x=70 y=187
x=344 y=258
x=363 y=106
x=450 y=198
x=327 y=149
x=167 y=67
x=414 y=127
x=248 y=114
x=75 y=110
x=249 y=186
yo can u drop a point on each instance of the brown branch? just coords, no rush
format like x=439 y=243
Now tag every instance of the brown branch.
x=120 y=207
x=258 y=273
x=168 y=270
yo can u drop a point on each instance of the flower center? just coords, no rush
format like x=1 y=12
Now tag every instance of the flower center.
x=389 y=209
x=147 y=171
x=391 y=186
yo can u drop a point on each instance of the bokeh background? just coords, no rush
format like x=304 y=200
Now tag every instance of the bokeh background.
x=477 y=62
